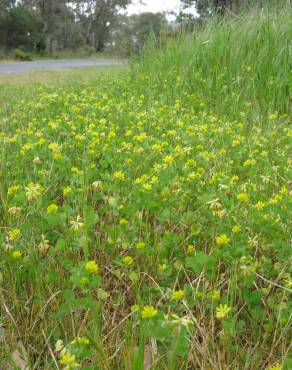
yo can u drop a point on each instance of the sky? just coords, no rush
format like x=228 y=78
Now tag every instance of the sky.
x=153 y=6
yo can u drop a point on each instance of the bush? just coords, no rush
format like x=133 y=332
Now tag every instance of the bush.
x=86 y=50
x=2 y=54
x=19 y=54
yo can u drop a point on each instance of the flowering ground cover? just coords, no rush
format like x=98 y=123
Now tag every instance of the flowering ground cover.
x=145 y=216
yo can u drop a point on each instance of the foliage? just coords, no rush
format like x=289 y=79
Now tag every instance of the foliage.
x=208 y=8
x=217 y=61
x=19 y=54
x=132 y=33
x=22 y=28
x=146 y=215
x=56 y=25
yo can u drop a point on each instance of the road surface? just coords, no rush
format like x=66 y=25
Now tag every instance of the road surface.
x=46 y=65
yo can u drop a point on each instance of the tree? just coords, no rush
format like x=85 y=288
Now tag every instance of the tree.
x=59 y=24
x=55 y=15
x=5 y=7
x=147 y=23
x=203 y=7
x=131 y=33
x=97 y=18
x=21 y=27
x=207 y=8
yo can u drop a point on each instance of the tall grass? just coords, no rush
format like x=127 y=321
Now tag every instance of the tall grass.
x=144 y=217
x=235 y=62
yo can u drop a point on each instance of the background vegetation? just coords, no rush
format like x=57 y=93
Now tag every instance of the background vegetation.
x=145 y=212
x=82 y=28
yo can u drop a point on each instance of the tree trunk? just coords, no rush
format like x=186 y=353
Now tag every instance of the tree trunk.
x=100 y=46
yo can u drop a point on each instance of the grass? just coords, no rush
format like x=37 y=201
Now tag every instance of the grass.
x=245 y=60
x=77 y=55
x=65 y=76
x=145 y=214
x=70 y=55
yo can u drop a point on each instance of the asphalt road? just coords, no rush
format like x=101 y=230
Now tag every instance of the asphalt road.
x=46 y=65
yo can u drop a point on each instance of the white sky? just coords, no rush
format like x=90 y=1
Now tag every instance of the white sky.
x=153 y=6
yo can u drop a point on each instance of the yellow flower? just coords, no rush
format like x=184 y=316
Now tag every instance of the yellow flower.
x=142 y=179
x=14 y=234
x=249 y=162
x=140 y=245
x=276 y=367
x=190 y=163
x=222 y=311
x=119 y=175
x=92 y=267
x=275 y=199
x=134 y=308
x=147 y=186
x=284 y=190
x=128 y=260
x=55 y=147
x=75 y=170
x=148 y=312
x=16 y=254
x=52 y=208
x=222 y=239
x=177 y=295
x=259 y=205
x=123 y=221
x=243 y=197
x=67 y=191
x=157 y=147
x=236 y=229
x=80 y=340
x=190 y=249
x=69 y=361
x=168 y=159
x=12 y=190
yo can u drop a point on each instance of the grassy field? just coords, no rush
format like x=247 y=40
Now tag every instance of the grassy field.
x=79 y=54
x=145 y=211
x=61 y=77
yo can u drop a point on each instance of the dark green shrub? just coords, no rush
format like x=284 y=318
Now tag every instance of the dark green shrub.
x=86 y=50
x=19 y=54
x=2 y=54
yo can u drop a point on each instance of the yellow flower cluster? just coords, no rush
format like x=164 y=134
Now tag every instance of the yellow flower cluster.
x=222 y=239
x=52 y=208
x=148 y=312
x=92 y=267
x=177 y=295
x=222 y=311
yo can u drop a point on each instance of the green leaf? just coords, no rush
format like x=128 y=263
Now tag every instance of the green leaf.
x=113 y=202
x=164 y=216
x=61 y=244
x=133 y=276
x=200 y=262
